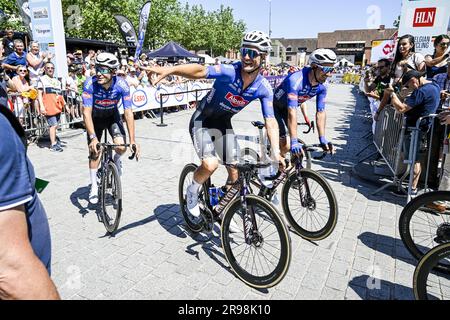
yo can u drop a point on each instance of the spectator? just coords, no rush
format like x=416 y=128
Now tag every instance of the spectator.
x=405 y=59
x=78 y=54
x=21 y=84
x=5 y=84
x=90 y=72
x=73 y=89
x=423 y=101
x=35 y=61
x=90 y=57
x=443 y=81
x=70 y=59
x=25 y=244
x=376 y=89
x=15 y=59
x=51 y=102
x=8 y=42
x=437 y=63
x=132 y=79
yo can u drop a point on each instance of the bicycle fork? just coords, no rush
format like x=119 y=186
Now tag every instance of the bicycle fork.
x=249 y=219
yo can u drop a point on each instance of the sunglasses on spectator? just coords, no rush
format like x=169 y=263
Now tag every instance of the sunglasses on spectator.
x=49 y=68
x=326 y=69
x=102 y=70
x=252 y=54
x=444 y=44
x=21 y=70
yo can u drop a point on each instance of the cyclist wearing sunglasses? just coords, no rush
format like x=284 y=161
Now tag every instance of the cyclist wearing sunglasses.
x=296 y=89
x=235 y=87
x=101 y=96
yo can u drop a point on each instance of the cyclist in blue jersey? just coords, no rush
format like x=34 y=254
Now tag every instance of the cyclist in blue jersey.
x=235 y=87
x=101 y=96
x=295 y=90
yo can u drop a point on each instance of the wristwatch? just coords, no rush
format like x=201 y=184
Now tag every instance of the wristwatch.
x=92 y=136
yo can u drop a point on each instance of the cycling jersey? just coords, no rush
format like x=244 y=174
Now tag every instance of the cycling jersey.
x=296 y=89
x=105 y=102
x=227 y=97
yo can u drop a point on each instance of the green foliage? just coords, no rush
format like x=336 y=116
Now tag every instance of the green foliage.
x=191 y=26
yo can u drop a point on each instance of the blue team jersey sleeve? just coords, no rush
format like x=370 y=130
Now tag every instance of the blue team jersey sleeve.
x=126 y=94
x=321 y=97
x=16 y=187
x=221 y=72
x=266 y=99
x=294 y=85
x=88 y=93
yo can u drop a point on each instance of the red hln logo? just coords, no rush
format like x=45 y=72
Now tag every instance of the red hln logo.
x=424 y=17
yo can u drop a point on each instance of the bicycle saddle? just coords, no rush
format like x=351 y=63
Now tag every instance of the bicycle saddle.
x=258 y=124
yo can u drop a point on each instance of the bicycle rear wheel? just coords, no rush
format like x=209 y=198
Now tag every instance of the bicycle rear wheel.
x=186 y=178
x=316 y=217
x=111 y=197
x=264 y=262
x=422 y=227
x=429 y=284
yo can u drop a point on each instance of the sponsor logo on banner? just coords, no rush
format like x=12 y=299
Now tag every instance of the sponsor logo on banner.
x=158 y=95
x=43 y=30
x=195 y=86
x=236 y=101
x=139 y=98
x=126 y=27
x=388 y=48
x=424 y=17
x=40 y=13
x=179 y=96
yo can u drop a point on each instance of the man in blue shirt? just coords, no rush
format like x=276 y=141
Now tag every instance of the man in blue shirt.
x=423 y=101
x=25 y=248
x=15 y=59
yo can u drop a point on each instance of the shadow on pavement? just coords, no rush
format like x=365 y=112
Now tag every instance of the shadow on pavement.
x=371 y=288
x=386 y=245
x=170 y=217
x=81 y=193
x=134 y=225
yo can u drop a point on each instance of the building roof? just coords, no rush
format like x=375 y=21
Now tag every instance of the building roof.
x=309 y=43
x=331 y=39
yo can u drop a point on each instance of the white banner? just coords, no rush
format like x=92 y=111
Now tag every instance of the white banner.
x=149 y=98
x=424 y=19
x=382 y=49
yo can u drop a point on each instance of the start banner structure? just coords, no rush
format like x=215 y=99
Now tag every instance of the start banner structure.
x=382 y=49
x=48 y=28
x=149 y=98
x=424 y=19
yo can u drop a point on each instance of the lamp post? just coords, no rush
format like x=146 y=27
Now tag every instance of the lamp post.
x=270 y=18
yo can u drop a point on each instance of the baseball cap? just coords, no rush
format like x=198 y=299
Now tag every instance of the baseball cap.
x=411 y=74
x=132 y=69
x=78 y=52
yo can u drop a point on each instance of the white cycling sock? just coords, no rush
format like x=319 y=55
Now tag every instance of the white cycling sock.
x=117 y=158
x=93 y=173
x=195 y=186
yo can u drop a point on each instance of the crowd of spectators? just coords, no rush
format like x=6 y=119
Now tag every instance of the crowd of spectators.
x=416 y=86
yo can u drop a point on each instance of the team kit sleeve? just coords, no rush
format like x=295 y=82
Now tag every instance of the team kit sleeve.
x=16 y=186
x=221 y=72
x=320 y=100
x=126 y=94
x=88 y=92
x=293 y=87
x=266 y=99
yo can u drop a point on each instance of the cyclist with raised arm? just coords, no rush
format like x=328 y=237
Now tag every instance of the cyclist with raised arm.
x=101 y=96
x=235 y=87
x=297 y=88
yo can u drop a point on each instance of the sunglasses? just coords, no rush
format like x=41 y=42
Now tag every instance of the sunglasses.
x=252 y=54
x=102 y=70
x=326 y=69
x=21 y=70
x=49 y=68
x=444 y=44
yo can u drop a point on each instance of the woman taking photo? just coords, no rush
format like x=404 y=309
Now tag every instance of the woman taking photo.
x=437 y=63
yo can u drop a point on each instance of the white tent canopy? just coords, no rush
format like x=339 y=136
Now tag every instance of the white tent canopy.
x=344 y=62
x=208 y=58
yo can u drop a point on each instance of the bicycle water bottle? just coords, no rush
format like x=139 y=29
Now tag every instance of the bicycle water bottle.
x=213 y=195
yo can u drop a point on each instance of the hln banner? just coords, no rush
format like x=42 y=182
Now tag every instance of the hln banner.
x=425 y=20
x=48 y=30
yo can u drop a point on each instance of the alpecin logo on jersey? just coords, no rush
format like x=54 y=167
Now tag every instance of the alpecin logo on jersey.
x=106 y=102
x=236 y=101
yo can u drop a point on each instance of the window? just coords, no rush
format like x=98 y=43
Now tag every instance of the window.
x=288 y=58
x=272 y=54
x=288 y=49
x=301 y=49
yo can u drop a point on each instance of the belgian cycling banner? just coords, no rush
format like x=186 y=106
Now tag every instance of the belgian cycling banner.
x=150 y=98
x=126 y=30
x=143 y=21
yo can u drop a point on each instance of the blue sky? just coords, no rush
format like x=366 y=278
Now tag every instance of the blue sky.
x=304 y=19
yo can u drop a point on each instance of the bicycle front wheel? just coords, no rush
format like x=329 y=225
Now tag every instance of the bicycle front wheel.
x=429 y=284
x=263 y=261
x=310 y=205
x=111 y=197
x=422 y=226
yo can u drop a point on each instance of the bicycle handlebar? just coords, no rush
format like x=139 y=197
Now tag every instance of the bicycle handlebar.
x=310 y=127
x=99 y=146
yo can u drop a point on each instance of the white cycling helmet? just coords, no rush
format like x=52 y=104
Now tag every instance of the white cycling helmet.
x=257 y=39
x=107 y=60
x=322 y=56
